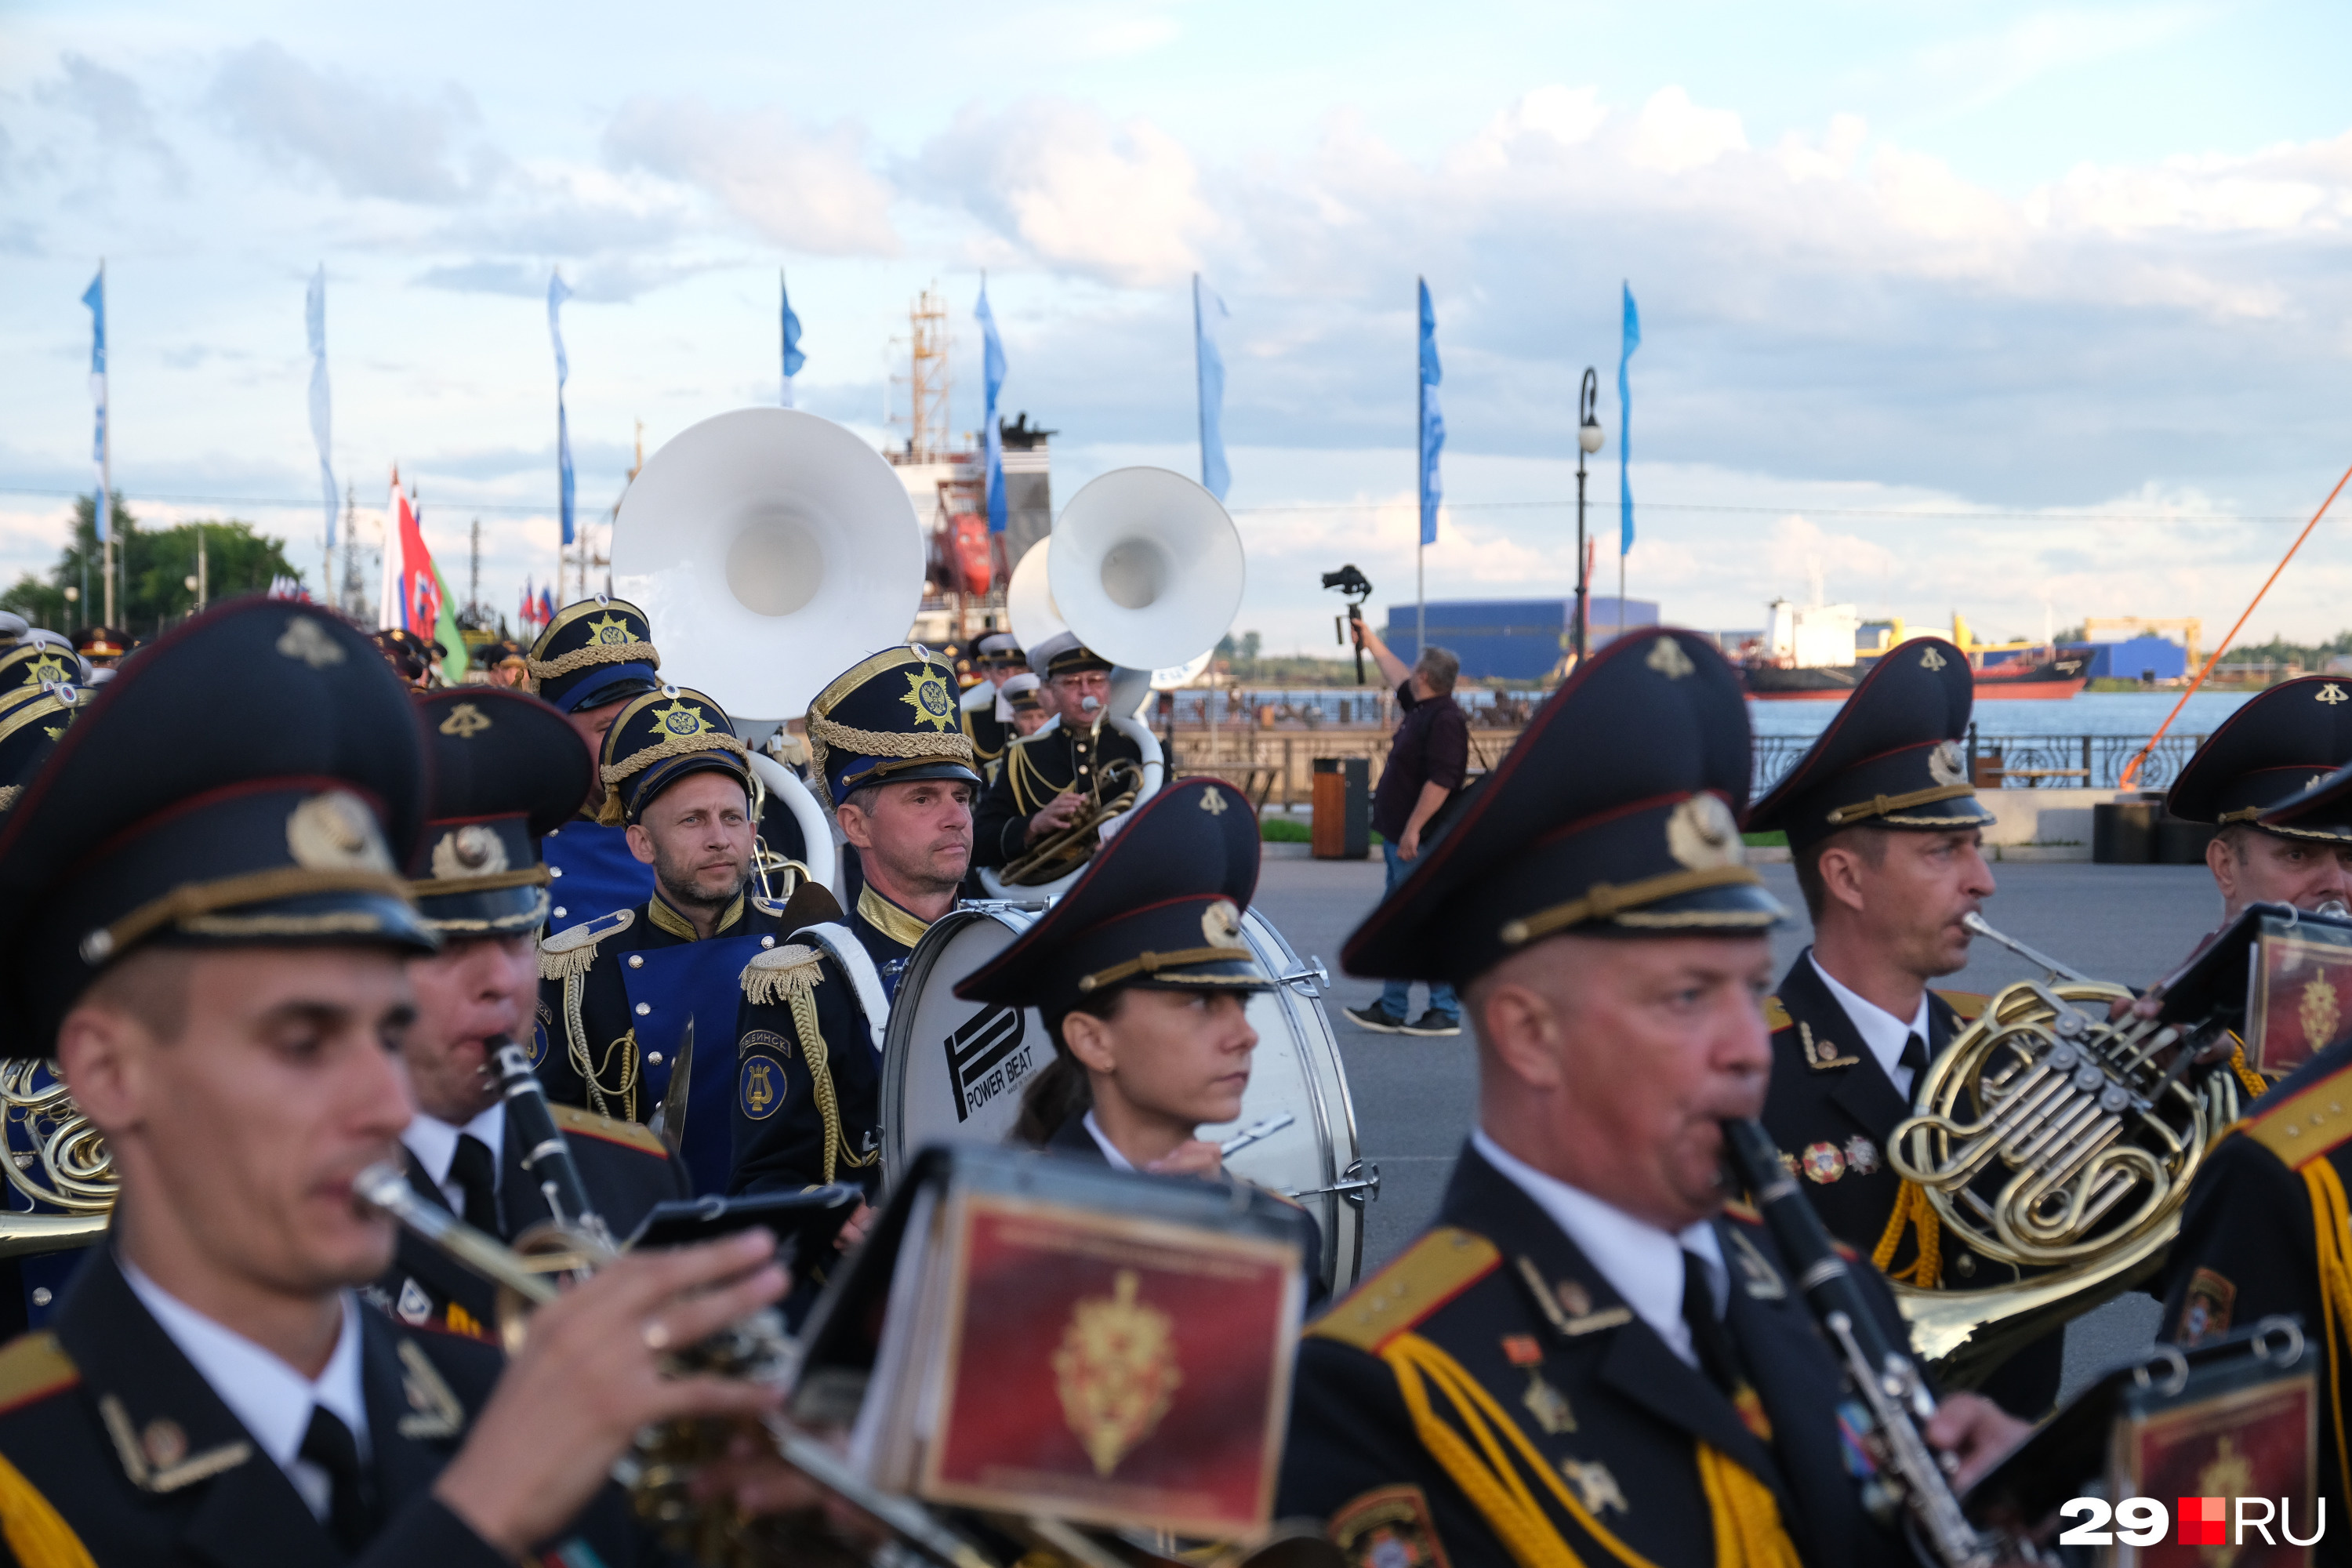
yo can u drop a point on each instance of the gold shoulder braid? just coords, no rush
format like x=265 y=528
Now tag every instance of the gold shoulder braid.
x=1028 y=778
x=568 y=956
x=789 y=975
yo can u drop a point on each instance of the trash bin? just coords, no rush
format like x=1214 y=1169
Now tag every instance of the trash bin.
x=1343 y=808
x=2123 y=832
x=2179 y=842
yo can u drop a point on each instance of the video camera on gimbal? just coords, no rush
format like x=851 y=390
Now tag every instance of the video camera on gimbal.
x=1357 y=589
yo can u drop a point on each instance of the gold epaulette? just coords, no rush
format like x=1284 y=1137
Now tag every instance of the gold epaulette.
x=572 y=952
x=1776 y=1017
x=1433 y=1271
x=2300 y=1129
x=579 y=1123
x=33 y=1366
x=1969 y=1004
x=779 y=974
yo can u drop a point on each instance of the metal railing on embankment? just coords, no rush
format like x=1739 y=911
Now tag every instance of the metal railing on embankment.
x=1276 y=765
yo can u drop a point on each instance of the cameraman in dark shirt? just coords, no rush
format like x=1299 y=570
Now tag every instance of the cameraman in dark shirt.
x=1426 y=763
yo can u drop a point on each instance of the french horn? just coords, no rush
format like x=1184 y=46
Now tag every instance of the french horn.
x=56 y=1162
x=2051 y=1139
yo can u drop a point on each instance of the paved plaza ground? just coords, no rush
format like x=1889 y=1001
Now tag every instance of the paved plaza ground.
x=1415 y=1098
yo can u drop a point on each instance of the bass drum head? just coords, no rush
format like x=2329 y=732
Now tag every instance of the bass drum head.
x=953 y=1072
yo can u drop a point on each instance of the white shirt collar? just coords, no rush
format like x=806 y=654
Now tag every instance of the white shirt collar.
x=1882 y=1034
x=435 y=1144
x=271 y=1400
x=1642 y=1263
x=1119 y=1162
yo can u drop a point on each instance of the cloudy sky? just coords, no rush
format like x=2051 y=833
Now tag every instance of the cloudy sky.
x=2008 y=309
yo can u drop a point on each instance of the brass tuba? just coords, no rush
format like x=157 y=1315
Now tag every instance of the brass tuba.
x=2050 y=1139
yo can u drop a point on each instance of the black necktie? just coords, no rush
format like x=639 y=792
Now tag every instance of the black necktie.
x=350 y=1511
x=476 y=1175
x=1913 y=1056
x=1716 y=1356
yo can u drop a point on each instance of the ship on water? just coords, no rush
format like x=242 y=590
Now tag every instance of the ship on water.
x=1814 y=653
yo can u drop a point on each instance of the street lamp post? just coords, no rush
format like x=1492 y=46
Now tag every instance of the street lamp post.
x=1589 y=439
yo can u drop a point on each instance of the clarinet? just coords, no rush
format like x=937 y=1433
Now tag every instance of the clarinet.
x=547 y=1154
x=1881 y=1372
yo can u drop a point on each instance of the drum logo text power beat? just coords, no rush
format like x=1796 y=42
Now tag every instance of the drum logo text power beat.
x=987 y=1059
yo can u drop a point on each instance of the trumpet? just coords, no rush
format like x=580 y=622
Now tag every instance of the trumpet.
x=2051 y=1140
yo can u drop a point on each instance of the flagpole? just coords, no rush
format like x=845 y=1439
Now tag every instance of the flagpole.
x=106 y=461
x=1420 y=520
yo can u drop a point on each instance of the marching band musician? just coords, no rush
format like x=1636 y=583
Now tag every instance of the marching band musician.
x=2263 y=1229
x=42 y=658
x=1143 y=978
x=1028 y=706
x=1590 y=1358
x=205 y=925
x=1047 y=776
x=886 y=754
x=1887 y=834
x=2281 y=743
x=986 y=716
x=618 y=993
x=590 y=661
x=505 y=767
x=102 y=646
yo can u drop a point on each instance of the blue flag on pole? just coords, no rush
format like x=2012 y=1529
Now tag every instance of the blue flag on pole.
x=314 y=318
x=1432 y=423
x=793 y=358
x=102 y=505
x=1625 y=425
x=556 y=294
x=991 y=375
x=1209 y=358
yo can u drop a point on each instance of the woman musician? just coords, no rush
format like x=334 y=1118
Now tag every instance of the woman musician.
x=1143 y=977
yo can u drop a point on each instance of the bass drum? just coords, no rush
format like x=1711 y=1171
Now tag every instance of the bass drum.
x=953 y=1072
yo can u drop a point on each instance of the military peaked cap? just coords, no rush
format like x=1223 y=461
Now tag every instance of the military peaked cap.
x=1158 y=906
x=2278 y=746
x=593 y=654
x=279 y=808
x=1617 y=812
x=660 y=738
x=33 y=719
x=887 y=719
x=1063 y=654
x=42 y=658
x=1891 y=758
x=506 y=767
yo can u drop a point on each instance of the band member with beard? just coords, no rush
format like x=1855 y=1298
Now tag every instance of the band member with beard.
x=619 y=994
x=207 y=929
x=886 y=754
x=1590 y=1357
x=505 y=767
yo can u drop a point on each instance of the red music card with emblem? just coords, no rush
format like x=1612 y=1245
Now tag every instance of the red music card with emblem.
x=2252 y=1442
x=1111 y=1369
x=2300 y=1000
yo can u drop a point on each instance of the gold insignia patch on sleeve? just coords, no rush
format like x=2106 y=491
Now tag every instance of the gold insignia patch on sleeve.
x=1388 y=1528
x=1776 y=1017
x=2205 y=1311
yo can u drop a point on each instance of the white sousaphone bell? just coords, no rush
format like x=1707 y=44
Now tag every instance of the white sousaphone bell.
x=769 y=547
x=1147 y=569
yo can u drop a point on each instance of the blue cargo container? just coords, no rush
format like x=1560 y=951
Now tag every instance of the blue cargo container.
x=1509 y=639
x=2139 y=659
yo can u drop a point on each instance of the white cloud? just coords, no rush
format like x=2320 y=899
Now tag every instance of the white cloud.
x=367 y=141
x=1060 y=183
x=1673 y=135
x=809 y=189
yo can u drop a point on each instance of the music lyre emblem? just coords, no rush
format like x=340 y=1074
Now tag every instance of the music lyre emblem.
x=1930 y=659
x=1116 y=1371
